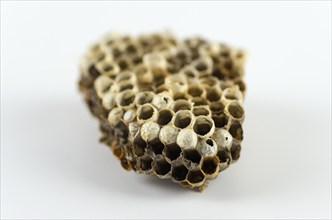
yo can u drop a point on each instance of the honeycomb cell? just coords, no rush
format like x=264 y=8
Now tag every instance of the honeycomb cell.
x=220 y=120
x=222 y=137
x=236 y=131
x=181 y=104
x=125 y=99
x=203 y=126
x=143 y=98
x=146 y=162
x=150 y=131
x=115 y=115
x=213 y=94
x=186 y=139
x=233 y=93
x=225 y=158
x=195 y=90
x=165 y=116
x=207 y=147
x=102 y=85
x=235 y=151
x=146 y=112
x=235 y=110
x=201 y=110
x=172 y=151
x=179 y=172
x=210 y=166
x=129 y=115
x=198 y=101
x=183 y=119
x=216 y=107
x=195 y=177
x=139 y=146
x=156 y=146
x=161 y=167
x=168 y=134
x=192 y=155
x=162 y=100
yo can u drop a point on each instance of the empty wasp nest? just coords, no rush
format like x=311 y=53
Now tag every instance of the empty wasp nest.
x=167 y=107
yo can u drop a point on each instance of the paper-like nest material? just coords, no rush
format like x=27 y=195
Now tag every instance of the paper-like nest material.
x=167 y=107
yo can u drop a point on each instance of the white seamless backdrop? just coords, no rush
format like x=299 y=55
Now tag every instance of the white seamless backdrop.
x=52 y=165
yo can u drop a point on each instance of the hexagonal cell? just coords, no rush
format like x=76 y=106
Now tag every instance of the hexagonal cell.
x=150 y=131
x=183 y=118
x=115 y=115
x=179 y=172
x=145 y=163
x=181 y=104
x=192 y=155
x=241 y=84
x=139 y=145
x=223 y=155
x=125 y=86
x=172 y=151
x=144 y=76
x=213 y=94
x=195 y=177
x=161 y=167
x=209 y=81
x=203 y=126
x=217 y=107
x=145 y=112
x=176 y=83
x=236 y=130
x=207 y=147
x=156 y=146
x=186 y=139
x=210 y=165
x=125 y=98
x=190 y=73
x=125 y=76
x=168 y=134
x=198 y=101
x=165 y=116
x=233 y=93
x=123 y=63
x=235 y=110
x=162 y=100
x=222 y=137
x=179 y=96
x=201 y=110
x=143 y=98
x=220 y=120
x=195 y=90
x=102 y=85
x=235 y=151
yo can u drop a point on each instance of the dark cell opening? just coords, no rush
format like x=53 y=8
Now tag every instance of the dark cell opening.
x=236 y=131
x=179 y=173
x=192 y=155
x=162 y=167
x=164 y=117
x=173 y=151
x=235 y=151
x=195 y=176
x=156 y=146
x=146 y=163
x=210 y=165
x=146 y=112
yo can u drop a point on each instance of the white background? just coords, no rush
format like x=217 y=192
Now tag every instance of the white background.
x=52 y=165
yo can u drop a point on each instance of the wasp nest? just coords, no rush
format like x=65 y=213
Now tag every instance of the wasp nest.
x=166 y=107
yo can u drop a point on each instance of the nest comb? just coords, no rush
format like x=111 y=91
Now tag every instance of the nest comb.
x=167 y=107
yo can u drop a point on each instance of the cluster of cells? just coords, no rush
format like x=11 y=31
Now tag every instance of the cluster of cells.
x=167 y=107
